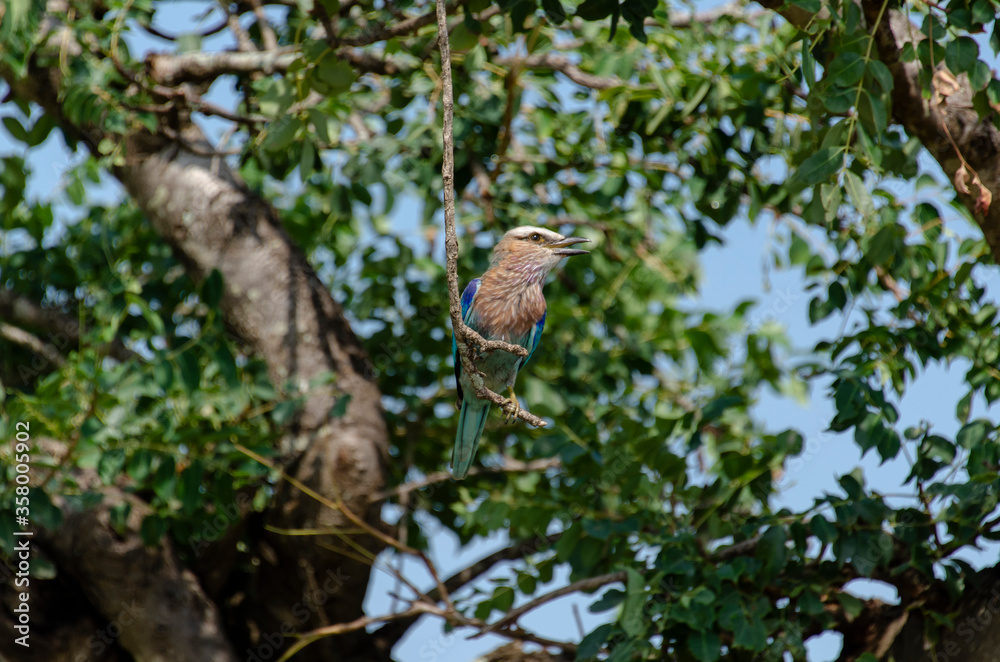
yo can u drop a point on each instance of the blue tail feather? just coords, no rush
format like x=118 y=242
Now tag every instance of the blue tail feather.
x=471 y=422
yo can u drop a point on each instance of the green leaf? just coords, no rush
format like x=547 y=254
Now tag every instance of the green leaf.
x=140 y=465
x=333 y=76
x=964 y=407
x=808 y=64
x=165 y=479
x=852 y=605
x=595 y=10
x=118 y=517
x=823 y=529
x=227 y=365
x=554 y=11
x=961 y=54
x=281 y=133
x=110 y=465
x=15 y=129
x=285 y=410
x=152 y=529
x=749 y=632
x=859 y=194
x=190 y=372
x=846 y=70
x=632 y=620
x=881 y=74
x=705 y=646
x=593 y=643
x=211 y=289
x=714 y=409
x=972 y=434
x=151 y=317
x=339 y=407
x=980 y=75
x=872 y=112
x=163 y=374
x=771 y=551
x=819 y=167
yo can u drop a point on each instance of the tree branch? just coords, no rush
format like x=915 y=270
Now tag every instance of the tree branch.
x=32 y=342
x=404 y=27
x=199 y=66
x=389 y=634
x=60 y=331
x=565 y=66
x=588 y=584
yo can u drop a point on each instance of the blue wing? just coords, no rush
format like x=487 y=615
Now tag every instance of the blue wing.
x=467 y=296
x=533 y=339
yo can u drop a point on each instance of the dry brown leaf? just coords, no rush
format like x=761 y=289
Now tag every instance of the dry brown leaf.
x=961 y=176
x=984 y=197
x=944 y=85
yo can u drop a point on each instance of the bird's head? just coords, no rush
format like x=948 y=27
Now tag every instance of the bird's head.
x=534 y=251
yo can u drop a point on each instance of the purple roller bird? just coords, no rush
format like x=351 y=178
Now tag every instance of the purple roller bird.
x=506 y=304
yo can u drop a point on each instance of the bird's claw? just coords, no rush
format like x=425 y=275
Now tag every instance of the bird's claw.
x=511 y=408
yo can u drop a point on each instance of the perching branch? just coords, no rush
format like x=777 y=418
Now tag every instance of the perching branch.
x=463 y=334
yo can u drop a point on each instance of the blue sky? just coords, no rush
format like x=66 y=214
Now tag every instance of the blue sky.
x=732 y=273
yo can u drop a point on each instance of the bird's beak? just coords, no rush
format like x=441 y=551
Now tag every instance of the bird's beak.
x=560 y=247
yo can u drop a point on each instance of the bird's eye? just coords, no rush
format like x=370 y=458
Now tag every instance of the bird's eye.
x=535 y=237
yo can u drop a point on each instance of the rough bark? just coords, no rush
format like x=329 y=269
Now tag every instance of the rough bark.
x=975 y=636
x=153 y=605
x=65 y=626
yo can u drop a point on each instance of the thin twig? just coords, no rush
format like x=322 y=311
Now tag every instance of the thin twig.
x=565 y=66
x=266 y=31
x=359 y=522
x=404 y=27
x=170 y=37
x=455 y=618
x=588 y=584
x=393 y=632
x=307 y=638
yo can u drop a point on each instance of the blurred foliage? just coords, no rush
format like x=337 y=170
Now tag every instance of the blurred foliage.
x=652 y=392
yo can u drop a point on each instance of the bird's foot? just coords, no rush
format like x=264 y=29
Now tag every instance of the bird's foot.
x=512 y=408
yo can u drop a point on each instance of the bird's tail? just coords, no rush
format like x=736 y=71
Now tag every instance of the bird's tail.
x=471 y=422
